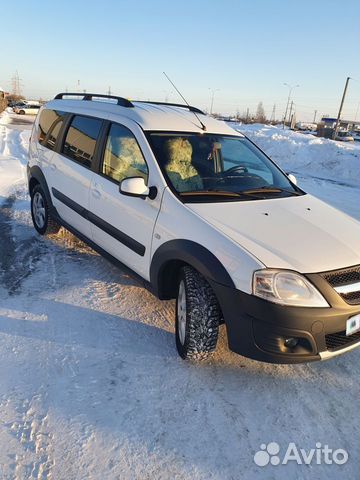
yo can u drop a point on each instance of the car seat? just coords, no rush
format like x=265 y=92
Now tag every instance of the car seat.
x=179 y=168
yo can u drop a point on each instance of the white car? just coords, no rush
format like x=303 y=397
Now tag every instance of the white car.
x=27 y=109
x=203 y=215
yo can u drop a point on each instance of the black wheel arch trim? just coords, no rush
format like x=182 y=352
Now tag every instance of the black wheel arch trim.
x=36 y=173
x=175 y=252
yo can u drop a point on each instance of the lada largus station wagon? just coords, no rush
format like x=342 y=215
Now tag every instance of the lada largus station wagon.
x=205 y=217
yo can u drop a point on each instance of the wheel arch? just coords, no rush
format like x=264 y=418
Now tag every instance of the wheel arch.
x=36 y=177
x=172 y=255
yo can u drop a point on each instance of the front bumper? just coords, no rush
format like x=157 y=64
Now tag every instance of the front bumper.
x=258 y=328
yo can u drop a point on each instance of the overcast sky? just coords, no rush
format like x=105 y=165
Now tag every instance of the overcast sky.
x=245 y=49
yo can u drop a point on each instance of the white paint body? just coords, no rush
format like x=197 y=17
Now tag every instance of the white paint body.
x=295 y=233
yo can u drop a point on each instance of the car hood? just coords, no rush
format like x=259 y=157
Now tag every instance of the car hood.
x=299 y=233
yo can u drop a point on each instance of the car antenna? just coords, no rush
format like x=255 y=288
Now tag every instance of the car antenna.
x=203 y=127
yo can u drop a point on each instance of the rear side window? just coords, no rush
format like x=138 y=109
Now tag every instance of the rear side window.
x=81 y=139
x=47 y=121
x=54 y=133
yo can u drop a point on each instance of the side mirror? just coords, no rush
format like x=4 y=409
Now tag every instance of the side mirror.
x=134 y=187
x=292 y=178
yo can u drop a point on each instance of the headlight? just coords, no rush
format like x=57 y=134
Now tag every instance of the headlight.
x=287 y=288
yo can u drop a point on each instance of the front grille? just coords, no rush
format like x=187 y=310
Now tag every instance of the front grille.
x=345 y=276
x=353 y=298
x=338 y=340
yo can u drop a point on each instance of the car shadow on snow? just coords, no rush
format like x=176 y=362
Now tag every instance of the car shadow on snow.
x=25 y=254
x=20 y=250
x=62 y=324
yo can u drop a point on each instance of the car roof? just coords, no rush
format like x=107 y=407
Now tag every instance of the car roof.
x=150 y=116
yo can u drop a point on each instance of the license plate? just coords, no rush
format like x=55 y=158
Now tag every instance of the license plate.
x=353 y=325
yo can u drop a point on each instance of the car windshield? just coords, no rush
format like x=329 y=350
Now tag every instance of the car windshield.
x=201 y=167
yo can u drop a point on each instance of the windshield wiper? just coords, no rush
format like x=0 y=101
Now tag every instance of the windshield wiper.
x=220 y=193
x=269 y=189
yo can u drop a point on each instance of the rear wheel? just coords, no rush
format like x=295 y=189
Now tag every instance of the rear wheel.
x=22 y=112
x=43 y=223
x=198 y=316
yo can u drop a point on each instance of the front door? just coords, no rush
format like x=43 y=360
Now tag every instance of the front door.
x=123 y=225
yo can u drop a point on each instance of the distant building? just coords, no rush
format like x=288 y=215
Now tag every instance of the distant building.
x=327 y=125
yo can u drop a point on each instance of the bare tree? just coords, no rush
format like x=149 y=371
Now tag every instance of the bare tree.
x=14 y=98
x=260 y=116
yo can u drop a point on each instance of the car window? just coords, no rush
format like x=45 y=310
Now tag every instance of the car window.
x=122 y=156
x=232 y=149
x=54 y=133
x=81 y=139
x=196 y=164
x=48 y=118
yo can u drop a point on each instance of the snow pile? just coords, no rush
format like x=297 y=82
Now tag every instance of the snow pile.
x=4 y=117
x=296 y=152
x=14 y=146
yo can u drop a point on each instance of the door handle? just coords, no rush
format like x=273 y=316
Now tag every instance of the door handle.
x=96 y=193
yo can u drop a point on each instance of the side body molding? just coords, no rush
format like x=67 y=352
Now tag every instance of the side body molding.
x=170 y=255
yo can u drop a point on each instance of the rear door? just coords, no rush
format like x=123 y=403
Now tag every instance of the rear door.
x=71 y=170
x=44 y=137
x=123 y=225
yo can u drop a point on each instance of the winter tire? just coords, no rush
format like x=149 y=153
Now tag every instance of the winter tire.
x=197 y=316
x=43 y=223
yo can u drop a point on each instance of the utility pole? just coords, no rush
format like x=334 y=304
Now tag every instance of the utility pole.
x=335 y=132
x=109 y=91
x=291 y=88
x=247 y=115
x=291 y=107
x=292 y=121
x=212 y=99
x=272 y=118
x=315 y=113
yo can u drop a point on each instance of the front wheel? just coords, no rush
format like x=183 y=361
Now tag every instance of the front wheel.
x=198 y=316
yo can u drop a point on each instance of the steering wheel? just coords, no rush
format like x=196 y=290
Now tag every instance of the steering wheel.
x=237 y=169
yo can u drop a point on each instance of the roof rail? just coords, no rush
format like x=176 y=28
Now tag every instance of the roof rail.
x=123 y=102
x=189 y=107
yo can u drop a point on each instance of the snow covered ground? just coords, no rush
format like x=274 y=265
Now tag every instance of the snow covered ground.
x=91 y=385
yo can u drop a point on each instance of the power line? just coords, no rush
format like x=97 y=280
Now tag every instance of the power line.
x=16 y=84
